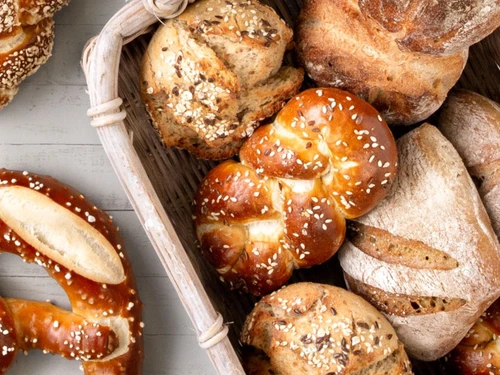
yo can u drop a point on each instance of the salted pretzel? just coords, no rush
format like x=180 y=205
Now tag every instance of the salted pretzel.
x=26 y=39
x=53 y=225
x=327 y=156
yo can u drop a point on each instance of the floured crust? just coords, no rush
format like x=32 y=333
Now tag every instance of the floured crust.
x=340 y=47
x=433 y=201
x=440 y=27
x=315 y=329
x=471 y=123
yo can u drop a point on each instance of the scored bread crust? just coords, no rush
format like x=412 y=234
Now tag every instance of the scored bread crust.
x=435 y=203
x=316 y=329
x=210 y=76
x=340 y=47
x=471 y=123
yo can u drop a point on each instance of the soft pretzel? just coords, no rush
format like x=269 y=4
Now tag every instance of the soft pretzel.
x=328 y=156
x=53 y=225
x=26 y=39
x=478 y=353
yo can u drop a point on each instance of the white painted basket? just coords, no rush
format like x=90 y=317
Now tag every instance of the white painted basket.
x=161 y=182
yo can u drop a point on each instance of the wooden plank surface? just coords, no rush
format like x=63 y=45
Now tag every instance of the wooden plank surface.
x=45 y=130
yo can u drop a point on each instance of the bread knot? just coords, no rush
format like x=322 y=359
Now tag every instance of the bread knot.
x=327 y=157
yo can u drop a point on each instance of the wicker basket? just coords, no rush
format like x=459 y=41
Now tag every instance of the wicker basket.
x=161 y=182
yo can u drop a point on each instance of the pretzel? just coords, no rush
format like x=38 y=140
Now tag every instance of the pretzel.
x=26 y=40
x=328 y=156
x=53 y=225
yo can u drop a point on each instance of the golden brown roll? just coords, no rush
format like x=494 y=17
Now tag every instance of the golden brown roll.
x=315 y=329
x=328 y=156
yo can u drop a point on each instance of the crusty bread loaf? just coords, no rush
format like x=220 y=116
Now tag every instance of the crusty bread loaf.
x=211 y=75
x=315 y=329
x=471 y=123
x=26 y=39
x=435 y=27
x=341 y=47
x=426 y=256
x=327 y=156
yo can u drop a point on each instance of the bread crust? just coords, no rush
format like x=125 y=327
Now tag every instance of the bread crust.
x=433 y=201
x=316 y=329
x=341 y=47
x=471 y=123
x=478 y=353
x=211 y=75
x=435 y=27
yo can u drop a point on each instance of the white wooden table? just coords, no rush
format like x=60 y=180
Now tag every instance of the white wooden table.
x=45 y=130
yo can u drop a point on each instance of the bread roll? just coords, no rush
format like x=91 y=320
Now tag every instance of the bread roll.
x=26 y=39
x=471 y=123
x=328 y=156
x=339 y=46
x=426 y=256
x=315 y=329
x=212 y=74
x=479 y=352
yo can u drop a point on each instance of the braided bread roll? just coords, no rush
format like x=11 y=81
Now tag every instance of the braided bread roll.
x=26 y=39
x=328 y=156
x=53 y=225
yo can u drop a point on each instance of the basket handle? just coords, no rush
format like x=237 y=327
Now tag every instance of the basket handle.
x=100 y=62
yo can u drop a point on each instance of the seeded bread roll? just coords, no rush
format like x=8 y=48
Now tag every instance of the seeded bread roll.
x=315 y=329
x=327 y=156
x=26 y=39
x=479 y=352
x=471 y=123
x=426 y=256
x=340 y=46
x=211 y=75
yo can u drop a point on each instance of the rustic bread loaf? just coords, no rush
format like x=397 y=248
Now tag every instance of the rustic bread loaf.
x=342 y=47
x=437 y=27
x=479 y=352
x=327 y=156
x=211 y=75
x=315 y=329
x=426 y=256
x=471 y=123
x=26 y=39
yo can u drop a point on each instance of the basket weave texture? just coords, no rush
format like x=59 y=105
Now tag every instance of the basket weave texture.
x=161 y=182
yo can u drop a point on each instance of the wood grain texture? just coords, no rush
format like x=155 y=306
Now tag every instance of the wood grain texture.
x=46 y=130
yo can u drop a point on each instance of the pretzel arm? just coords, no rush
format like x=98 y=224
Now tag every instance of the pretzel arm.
x=41 y=325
